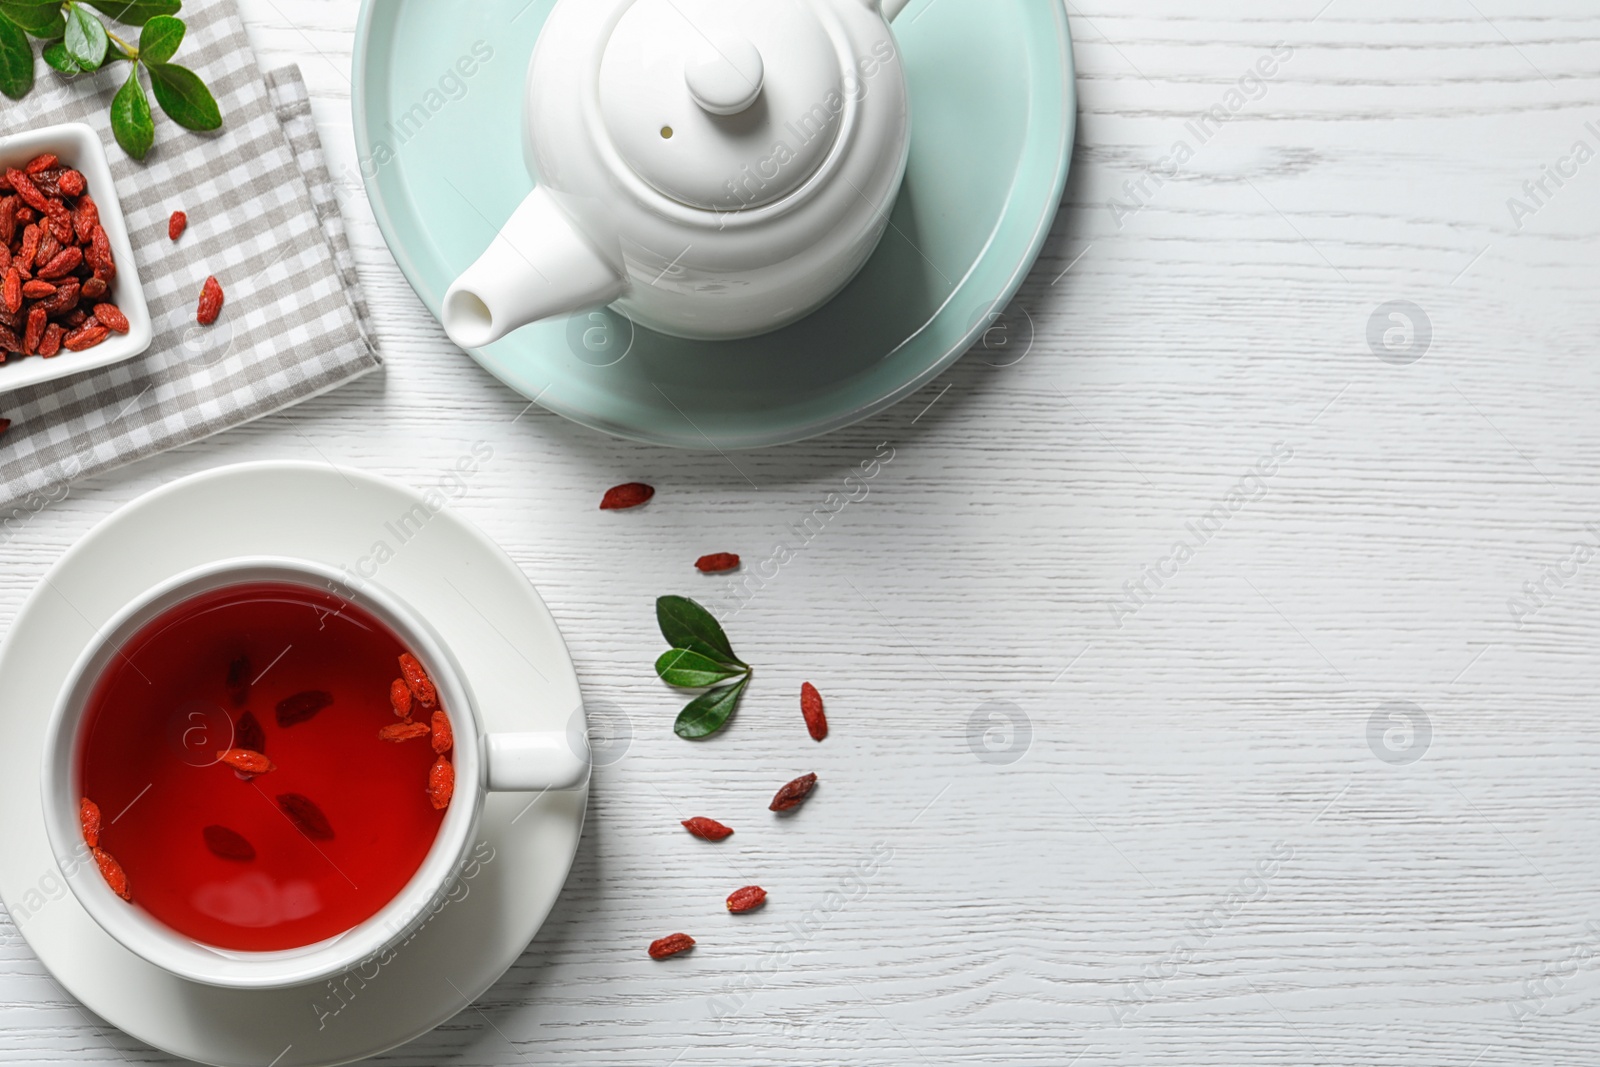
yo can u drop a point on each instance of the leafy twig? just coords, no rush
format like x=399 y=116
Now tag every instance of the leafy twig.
x=700 y=658
x=80 y=42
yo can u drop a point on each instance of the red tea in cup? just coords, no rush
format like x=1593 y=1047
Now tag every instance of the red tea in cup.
x=291 y=855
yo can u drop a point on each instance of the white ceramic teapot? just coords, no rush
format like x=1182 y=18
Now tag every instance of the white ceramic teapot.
x=711 y=168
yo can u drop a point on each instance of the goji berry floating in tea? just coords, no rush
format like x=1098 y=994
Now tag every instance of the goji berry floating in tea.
x=811 y=708
x=794 y=794
x=417 y=680
x=747 y=899
x=707 y=829
x=443 y=739
x=400 y=698
x=113 y=873
x=296 y=709
x=89 y=820
x=629 y=495
x=670 y=945
x=404 y=731
x=247 y=733
x=717 y=562
x=441 y=783
x=242 y=759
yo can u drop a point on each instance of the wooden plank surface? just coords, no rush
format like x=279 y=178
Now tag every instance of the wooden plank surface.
x=1099 y=823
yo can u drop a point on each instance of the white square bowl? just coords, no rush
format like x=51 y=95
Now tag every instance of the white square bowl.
x=79 y=147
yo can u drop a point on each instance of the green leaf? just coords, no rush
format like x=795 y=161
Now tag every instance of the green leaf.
x=184 y=97
x=691 y=670
x=160 y=38
x=135 y=130
x=16 y=60
x=709 y=712
x=86 y=38
x=39 y=19
x=136 y=12
x=686 y=624
x=57 y=56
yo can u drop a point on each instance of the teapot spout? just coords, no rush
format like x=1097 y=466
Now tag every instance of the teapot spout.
x=538 y=265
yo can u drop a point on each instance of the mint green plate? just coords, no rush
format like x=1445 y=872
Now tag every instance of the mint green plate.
x=992 y=116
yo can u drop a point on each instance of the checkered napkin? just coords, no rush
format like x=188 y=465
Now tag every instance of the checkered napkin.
x=262 y=218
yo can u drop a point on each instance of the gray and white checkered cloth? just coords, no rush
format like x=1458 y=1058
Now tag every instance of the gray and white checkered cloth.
x=262 y=218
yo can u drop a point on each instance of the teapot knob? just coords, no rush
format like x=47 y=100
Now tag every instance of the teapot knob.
x=725 y=75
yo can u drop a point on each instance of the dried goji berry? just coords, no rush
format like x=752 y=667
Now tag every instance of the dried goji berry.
x=5 y=424
x=33 y=289
x=50 y=344
x=296 y=709
x=48 y=247
x=35 y=330
x=31 y=236
x=443 y=739
x=707 y=829
x=64 y=299
x=72 y=182
x=404 y=731
x=13 y=290
x=62 y=263
x=85 y=219
x=210 y=302
x=811 y=708
x=306 y=815
x=89 y=820
x=794 y=794
x=176 y=225
x=85 y=337
x=43 y=161
x=670 y=945
x=628 y=495
x=113 y=873
x=400 y=698
x=417 y=679
x=441 y=783
x=28 y=191
x=242 y=759
x=717 y=562
x=228 y=844
x=94 y=288
x=747 y=899
x=247 y=733
x=111 y=317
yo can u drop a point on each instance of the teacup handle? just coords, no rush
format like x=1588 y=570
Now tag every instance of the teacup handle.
x=891 y=8
x=530 y=763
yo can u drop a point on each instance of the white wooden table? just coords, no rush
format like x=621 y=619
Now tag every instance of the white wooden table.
x=1320 y=793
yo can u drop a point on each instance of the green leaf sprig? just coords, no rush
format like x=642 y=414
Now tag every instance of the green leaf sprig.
x=78 y=41
x=700 y=658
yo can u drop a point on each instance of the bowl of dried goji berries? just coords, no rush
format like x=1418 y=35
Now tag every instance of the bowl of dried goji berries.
x=70 y=298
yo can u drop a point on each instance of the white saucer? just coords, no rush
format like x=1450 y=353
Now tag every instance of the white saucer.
x=481 y=603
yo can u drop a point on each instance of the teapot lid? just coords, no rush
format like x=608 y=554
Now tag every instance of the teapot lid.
x=722 y=104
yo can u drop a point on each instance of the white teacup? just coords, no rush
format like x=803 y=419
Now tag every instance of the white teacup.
x=483 y=763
